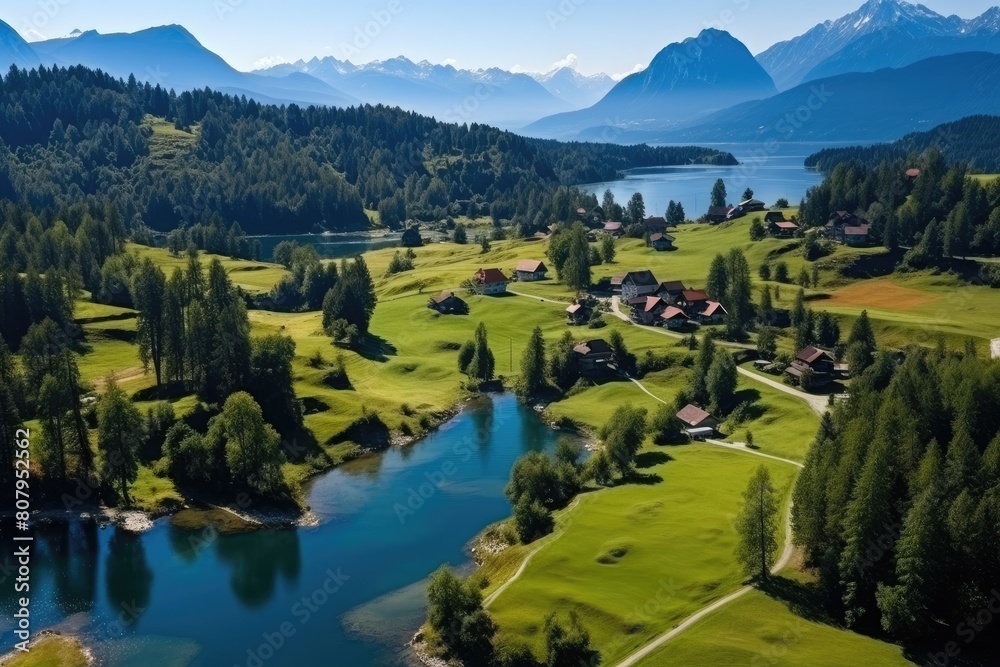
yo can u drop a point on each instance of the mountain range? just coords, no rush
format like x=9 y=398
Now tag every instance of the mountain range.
x=705 y=88
x=882 y=33
x=494 y=96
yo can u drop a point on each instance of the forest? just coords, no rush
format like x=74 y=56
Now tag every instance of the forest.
x=973 y=141
x=71 y=135
x=899 y=502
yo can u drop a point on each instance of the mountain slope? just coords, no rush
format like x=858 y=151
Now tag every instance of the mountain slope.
x=709 y=72
x=896 y=48
x=14 y=50
x=172 y=57
x=492 y=96
x=789 y=62
x=872 y=106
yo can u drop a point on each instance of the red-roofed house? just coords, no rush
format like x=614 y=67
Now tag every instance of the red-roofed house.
x=577 y=314
x=819 y=362
x=646 y=309
x=674 y=318
x=490 y=281
x=614 y=228
x=530 y=270
x=695 y=420
x=782 y=229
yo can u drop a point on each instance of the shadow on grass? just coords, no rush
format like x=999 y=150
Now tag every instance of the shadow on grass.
x=649 y=459
x=375 y=348
x=804 y=599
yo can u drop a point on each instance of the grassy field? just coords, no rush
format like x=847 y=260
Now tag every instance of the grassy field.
x=636 y=559
x=759 y=630
x=50 y=651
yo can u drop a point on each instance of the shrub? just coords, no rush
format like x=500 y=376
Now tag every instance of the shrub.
x=532 y=520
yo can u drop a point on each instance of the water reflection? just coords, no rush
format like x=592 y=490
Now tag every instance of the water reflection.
x=75 y=584
x=128 y=576
x=257 y=560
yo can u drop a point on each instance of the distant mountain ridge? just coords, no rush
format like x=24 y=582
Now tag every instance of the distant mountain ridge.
x=860 y=106
x=14 y=50
x=706 y=73
x=494 y=96
x=881 y=33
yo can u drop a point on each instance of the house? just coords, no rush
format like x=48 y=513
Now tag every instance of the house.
x=490 y=281
x=820 y=362
x=700 y=307
x=674 y=318
x=752 y=205
x=782 y=229
x=614 y=228
x=411 y=238
x=634 y=284
x=661 y=242
x=847 y=228
x=774 y=216
x=670 y=291
x=647 y=309
x=697 y=422
x=594 y=357
x=717 y=213
x=855 y=235
x=530 y=270
x=447 y=303
x=735 y=213
x=655 y=225
x=577 y=314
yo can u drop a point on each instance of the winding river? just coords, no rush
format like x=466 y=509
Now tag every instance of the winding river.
x=347 y=592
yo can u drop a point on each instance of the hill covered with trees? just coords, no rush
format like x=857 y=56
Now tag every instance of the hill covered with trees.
x=73 y=134
x=973 y=141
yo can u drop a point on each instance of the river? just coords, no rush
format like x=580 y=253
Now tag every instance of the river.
x=173 y=597
x=771 y=171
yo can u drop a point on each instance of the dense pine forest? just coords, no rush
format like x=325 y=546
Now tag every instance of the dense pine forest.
x=940 y=215
x=899 y=502
x=973 y=141
x=71 y=134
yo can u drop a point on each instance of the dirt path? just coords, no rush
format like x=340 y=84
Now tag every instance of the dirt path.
x=565 y=304
x=819 y=404
x=121 y=377
x=527 y=559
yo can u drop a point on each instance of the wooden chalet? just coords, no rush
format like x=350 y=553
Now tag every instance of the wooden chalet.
x=490 y=281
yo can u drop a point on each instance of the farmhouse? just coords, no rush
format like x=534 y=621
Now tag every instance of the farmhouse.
x=634 y=284
x=411 y=238
x=670 y=291
x=782 y=229
x=848 y=229
x=447 y=303
x=855 y=235
x=701 y=308
x=814 y=360
x=717 y=213
x=774 y=216
x=613 y=228
x=752 y=205
x=577 y=314
x=490 y=281
x=530 y=270
x=674 y=318
x=594 y=357
x=655 y=225
x=647 y=309
x=697 y=422
x=661 y=242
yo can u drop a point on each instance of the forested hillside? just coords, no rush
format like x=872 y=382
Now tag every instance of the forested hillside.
x=973 y=141
x=71 y=133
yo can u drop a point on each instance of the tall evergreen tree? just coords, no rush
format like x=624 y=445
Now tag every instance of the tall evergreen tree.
x=119 y=435
x=757 y=526
x=149 y=287
x=533 y=367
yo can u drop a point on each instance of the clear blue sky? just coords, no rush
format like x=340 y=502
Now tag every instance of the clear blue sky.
x=601 y=35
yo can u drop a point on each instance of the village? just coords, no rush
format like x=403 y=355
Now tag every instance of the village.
x=639 y=297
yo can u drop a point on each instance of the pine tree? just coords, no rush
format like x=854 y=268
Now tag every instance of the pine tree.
x=703 y=364
x=721 y=381
x=608 y=248
x=174 y=343
x=717 y=284
x=119 y=435
x=482 y=366
x=533 y=367
x=718 y=197
x=861 y=344
x=757 y=526
x=149 y=295
x=253 y=447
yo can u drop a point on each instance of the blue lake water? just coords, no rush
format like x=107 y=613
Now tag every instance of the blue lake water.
x=329 y=246
x=348 y=592
x=772 y=172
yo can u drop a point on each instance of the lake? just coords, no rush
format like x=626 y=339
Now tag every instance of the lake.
x=772 y=172
x=329 y=246
x=348 y=592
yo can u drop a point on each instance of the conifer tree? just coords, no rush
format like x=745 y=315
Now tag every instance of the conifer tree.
x=533 y=367
x=757 y=526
